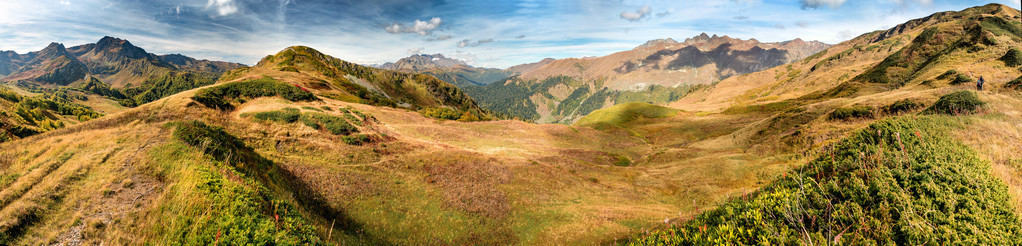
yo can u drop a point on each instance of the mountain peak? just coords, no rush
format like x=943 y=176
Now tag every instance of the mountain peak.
x=110 y=48
x=421 y=62
x=651 y=43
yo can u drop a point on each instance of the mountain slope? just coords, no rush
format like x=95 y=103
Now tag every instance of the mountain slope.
x=660 y=71
x=104 y=77
x=909 y=56
x=868 y=172
x=341 y=80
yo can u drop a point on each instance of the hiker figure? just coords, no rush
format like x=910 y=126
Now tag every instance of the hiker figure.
x=979 y=84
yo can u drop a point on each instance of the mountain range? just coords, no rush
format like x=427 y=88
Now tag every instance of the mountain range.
x=112 y=60
x=659 y=71
x=452 y=71
x=881 y=139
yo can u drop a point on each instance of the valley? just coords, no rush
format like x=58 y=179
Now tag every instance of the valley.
x=880 y=139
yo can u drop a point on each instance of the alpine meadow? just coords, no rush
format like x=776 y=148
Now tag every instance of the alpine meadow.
x=403 y=122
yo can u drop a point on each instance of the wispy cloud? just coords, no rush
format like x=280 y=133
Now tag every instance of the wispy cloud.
x=470 y=43
x=223 y=7
x=440 y=38
x=637 y=15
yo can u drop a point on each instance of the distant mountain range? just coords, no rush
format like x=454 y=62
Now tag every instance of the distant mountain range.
x=659 y=71
x=453 y=71
x=111 y=60
x=71 y=85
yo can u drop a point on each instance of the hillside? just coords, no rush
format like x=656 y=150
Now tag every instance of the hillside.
x=105 y=77
x=304 y=148
x=337 y=79
x=659 y=71
x=895 y=135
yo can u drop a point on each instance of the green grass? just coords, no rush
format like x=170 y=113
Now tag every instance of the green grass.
x=955 y=103
x=900 y=181
x=222 y=96
x=624 y=113
x=234 y=204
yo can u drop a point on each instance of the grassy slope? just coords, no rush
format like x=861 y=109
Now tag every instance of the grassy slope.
x=444 y=182
x=490 y=182
x=624 y=113
x=801 y=125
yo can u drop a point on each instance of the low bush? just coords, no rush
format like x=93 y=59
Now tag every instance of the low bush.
x=222 y=96
x=902 y=106
x=960 y=79
x=855 y=112
x=287 y=115
x=948 y=75
x=1013 y=58
x=1014 y=84
x=213 y=140
x=359 y=139
x=334 y=124
x=955 y=103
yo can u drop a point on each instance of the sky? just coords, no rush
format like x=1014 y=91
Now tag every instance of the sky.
x=485 y=33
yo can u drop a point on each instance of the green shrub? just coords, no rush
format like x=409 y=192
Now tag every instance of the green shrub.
x=961 y=78
x=1014 y=84
x=222 y=96
x=213 y=140
x=312 y=109
x=959 y=102
x=287 y=115
x=901 y=181
x=949 y=74
x=621 y=161
x=334 y=124
x=860 y=111
x=359 y=139
x=309 y=121
x=1012 y=58
x=441 y=113
x=901 y=106
x=327 y=108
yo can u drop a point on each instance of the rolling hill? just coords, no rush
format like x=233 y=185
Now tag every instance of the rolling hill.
x=304 y=148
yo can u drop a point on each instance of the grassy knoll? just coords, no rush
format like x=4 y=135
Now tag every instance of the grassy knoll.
x=901 y=180
x=624 y=113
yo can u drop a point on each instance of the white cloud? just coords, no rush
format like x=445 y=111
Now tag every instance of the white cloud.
x=422 y=28
x=440 y=38
x=520 y=36
x=637 y=15
x=802 y=24
x=65 y=2
x=223 y=7
x=416 y=51
x=815 y=4
x=470 y=43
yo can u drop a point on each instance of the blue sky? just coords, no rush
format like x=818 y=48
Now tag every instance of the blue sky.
x=491 y=33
